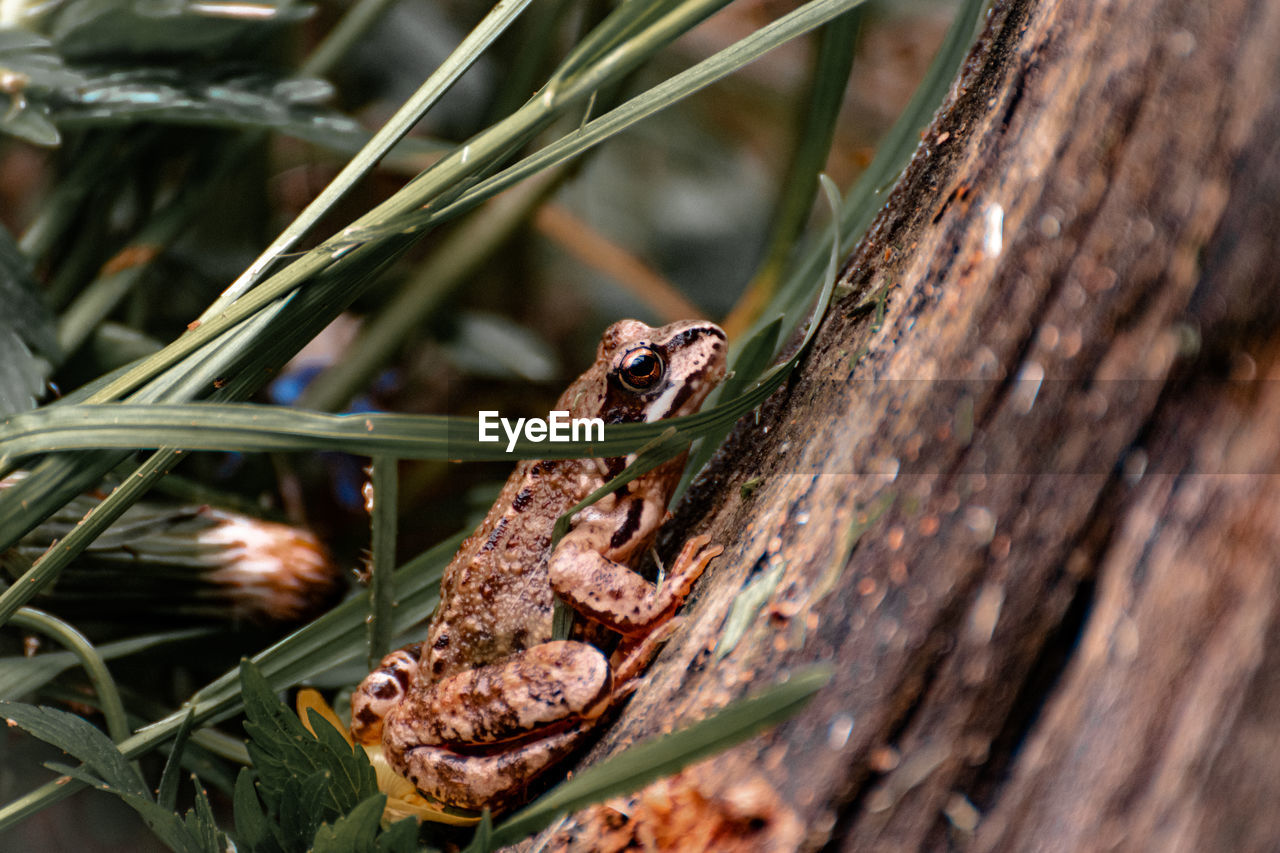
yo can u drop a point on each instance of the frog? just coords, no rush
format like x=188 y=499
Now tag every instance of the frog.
x=489 y=700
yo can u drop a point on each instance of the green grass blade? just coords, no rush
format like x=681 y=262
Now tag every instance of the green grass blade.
x=429 y=93
x=90 y=658
x=384 y=485
x=716 y=67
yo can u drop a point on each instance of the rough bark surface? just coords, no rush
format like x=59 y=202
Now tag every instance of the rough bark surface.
x=1032 y=517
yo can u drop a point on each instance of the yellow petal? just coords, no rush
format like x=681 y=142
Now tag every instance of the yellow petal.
x=311 y=699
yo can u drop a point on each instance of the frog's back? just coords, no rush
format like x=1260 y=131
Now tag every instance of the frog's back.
x=495 y=594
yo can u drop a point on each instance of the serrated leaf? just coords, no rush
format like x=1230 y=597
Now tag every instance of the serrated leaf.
x=354 y=832
x=196 y=833
x=76 y=737
x=298 y=809
x=80 y=739
x=284 y=751
x=400 y=837
x=255 y=833
x=201 y=825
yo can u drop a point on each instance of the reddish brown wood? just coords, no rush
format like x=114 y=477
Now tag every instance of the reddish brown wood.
x=1036 y=526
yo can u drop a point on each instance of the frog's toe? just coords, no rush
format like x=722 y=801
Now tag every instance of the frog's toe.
x=381 y=690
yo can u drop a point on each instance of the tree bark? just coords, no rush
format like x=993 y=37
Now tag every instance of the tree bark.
x=1031 y=515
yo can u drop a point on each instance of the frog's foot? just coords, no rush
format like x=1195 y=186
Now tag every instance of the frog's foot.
x=633 y=656
x=382 y=690
x=473 y=781
x=615 y=596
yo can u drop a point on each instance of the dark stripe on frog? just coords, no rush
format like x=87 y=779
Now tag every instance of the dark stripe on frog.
x=685 y=391
x=624 y=407
x=683 y=339
x=492 y=541
x=522 y=500
x=628 y=527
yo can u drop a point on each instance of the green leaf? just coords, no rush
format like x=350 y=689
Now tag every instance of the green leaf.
x=167 y=792
x=384 y=483
x=29 y=121
x=21 y=373
x=644 y=762
x=255 y=833
x=284 y=751
x=25 y=324
x=220 y=96
x=80 y=739
x=197 y=833
x=299 y=808
x=200 y=824
x=482 y=839
x=87 y=29
x=354 y=832
x=253 y=427
x=400 y=837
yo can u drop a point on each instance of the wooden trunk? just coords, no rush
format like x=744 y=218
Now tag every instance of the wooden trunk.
x=1032 y=516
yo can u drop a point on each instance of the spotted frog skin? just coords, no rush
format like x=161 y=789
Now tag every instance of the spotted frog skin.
x=489 y=700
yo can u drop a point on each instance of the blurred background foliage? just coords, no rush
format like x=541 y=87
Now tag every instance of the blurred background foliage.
x=149 y=151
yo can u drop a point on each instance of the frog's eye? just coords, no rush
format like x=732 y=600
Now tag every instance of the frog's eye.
x=640 y=369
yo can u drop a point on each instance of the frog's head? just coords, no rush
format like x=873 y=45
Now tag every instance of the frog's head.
x=652 y=374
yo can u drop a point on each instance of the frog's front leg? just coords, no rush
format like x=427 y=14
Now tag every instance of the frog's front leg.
x=596 y=584
x=479 y=736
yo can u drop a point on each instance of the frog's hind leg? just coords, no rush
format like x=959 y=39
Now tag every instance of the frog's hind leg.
x=554 y=683
x=382 y=690
x=476 y=781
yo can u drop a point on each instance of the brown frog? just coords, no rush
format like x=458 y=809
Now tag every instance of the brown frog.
x=489 y=700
